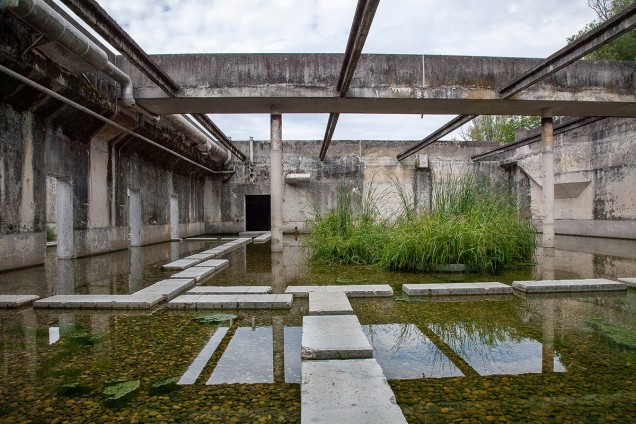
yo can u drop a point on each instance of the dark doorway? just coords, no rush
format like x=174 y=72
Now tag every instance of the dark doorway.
x=258 y=213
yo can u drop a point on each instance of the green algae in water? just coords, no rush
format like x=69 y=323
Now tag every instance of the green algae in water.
x=214 y=318
x=121 y=391
x=85 y=339
x=622 y=336
x=164 y=386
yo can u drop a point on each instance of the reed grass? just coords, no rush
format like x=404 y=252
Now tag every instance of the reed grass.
x=475 y=223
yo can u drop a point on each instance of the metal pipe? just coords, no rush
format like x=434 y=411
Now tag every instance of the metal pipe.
x=95 y=115
x=50 y=23
x=204 y=144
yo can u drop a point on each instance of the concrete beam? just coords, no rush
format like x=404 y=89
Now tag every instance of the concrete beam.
x=399 y=84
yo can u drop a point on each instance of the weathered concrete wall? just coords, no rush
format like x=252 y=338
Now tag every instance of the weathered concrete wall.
x=356 y=165
x=595 y=176
x=100 y=171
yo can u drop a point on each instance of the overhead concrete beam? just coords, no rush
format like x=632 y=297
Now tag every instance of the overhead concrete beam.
x=397 y=84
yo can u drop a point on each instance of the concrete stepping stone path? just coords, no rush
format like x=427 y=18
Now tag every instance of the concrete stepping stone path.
x=169 y=289
x=334 y=337
x=554 y=286
x=347 y=391
x=264 y=238
x=362 y=290
x=102 y=301
x=17 y=300
x=230 y=290
x=631 y=282
x=335 y=303
x=232 y=301
x=446 y=289
x=199 y=273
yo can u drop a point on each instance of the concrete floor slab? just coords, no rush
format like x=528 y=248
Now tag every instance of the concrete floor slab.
x=553 y=286
x=230 y=290
x=264 y=238
x=199 y=273
x=449 y=289
x=631 y=282
x=232 y=301
x=349 y=391
x=17 y=300
x=335 y=303
x=169 y=289
x=181 y=264
x=215 y=263
x=361 y=290
x=104 y=301
x=334 y=337
x=203 y=256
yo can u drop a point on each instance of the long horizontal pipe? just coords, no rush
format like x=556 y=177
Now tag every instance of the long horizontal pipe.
x=95 y=115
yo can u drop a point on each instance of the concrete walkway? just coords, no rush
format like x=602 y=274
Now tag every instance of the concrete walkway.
x=17 y=300
x=569 y=286
x=232 y=301
x=361 y=290
x=631 y=282
x=446 y=289
x=193 y=260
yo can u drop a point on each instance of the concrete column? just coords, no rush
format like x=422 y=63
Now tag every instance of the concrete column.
x=134 y=217
x=136 y=277
x=174 y=218
x=276 y=181
x=64 y=214
x=547 y=144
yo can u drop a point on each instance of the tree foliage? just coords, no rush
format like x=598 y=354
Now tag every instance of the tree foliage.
x=624 y=47
x=498 y=127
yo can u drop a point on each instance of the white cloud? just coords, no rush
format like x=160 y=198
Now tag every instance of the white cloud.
x=523 y=28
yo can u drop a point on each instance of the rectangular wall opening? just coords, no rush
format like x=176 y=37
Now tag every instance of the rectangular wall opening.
x=258 y=216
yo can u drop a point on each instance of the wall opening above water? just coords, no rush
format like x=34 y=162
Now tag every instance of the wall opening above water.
x=258 y=215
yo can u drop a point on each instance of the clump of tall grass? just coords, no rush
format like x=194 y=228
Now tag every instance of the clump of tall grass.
x=474 y=223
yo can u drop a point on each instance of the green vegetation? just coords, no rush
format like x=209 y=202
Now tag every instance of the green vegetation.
x=120 y=391
x=214 y=318
x=620 y=335
x=499 y=128
x=624 y=47
x=50 y=234
x=477 y=224
x=164 y=386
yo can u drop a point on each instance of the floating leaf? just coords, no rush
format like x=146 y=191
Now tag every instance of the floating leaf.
x=121 y=390
x=74 y=388
x=164 y=386
x=214 y=318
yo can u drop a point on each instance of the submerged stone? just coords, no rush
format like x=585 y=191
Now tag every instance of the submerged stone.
x=215 y=318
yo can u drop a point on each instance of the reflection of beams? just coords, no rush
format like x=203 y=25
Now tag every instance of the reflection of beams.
x=604 y=33
x=449 y=127
x=459 y=362
x=563 y=127
x=195 y=368
x=362 y=20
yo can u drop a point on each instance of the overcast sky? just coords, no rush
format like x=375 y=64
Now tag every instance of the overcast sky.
x=522 y=28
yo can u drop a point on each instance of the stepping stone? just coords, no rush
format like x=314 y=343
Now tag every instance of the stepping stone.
x=446 y=289
x=216 y=251
x=262 y=238
x=169 y=289
x=553 y=286
x=351 y=391
x=334 y=337
x=232 y=301
x=201 y=256
x=361 y=290
x=104 y=301
x=631 y=282
x=215 y=263
x=231 y=290
x=335 y=303
x=197 y=272
x=181 y=264
x=17 y=300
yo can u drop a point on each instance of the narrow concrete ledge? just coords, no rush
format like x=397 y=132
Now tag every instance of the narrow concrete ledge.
x=449 y=289
x=203 y=256
x=231 y=290
x=181 y=264
x=630 y=282
x=554 y=286
x=217 y=251
x=99 y=301
x=232 y=301
x=264 y=238
x=17 y=300
x=334 y=337
x=368 y=290
x=335 y=303
x=198 y=273
x=169 y=289
x=351 y=391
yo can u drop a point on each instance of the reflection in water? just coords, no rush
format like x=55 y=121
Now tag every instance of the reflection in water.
x=404 y=352
x=195 y=368
x=498 y=352
x=54 y=335
x=293 y=341
x=249 y=358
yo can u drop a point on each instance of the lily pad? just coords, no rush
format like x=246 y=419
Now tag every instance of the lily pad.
x=121 y=391
x=74 y=388
x=214 y=318
x=164 y=386
x=620 y=335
